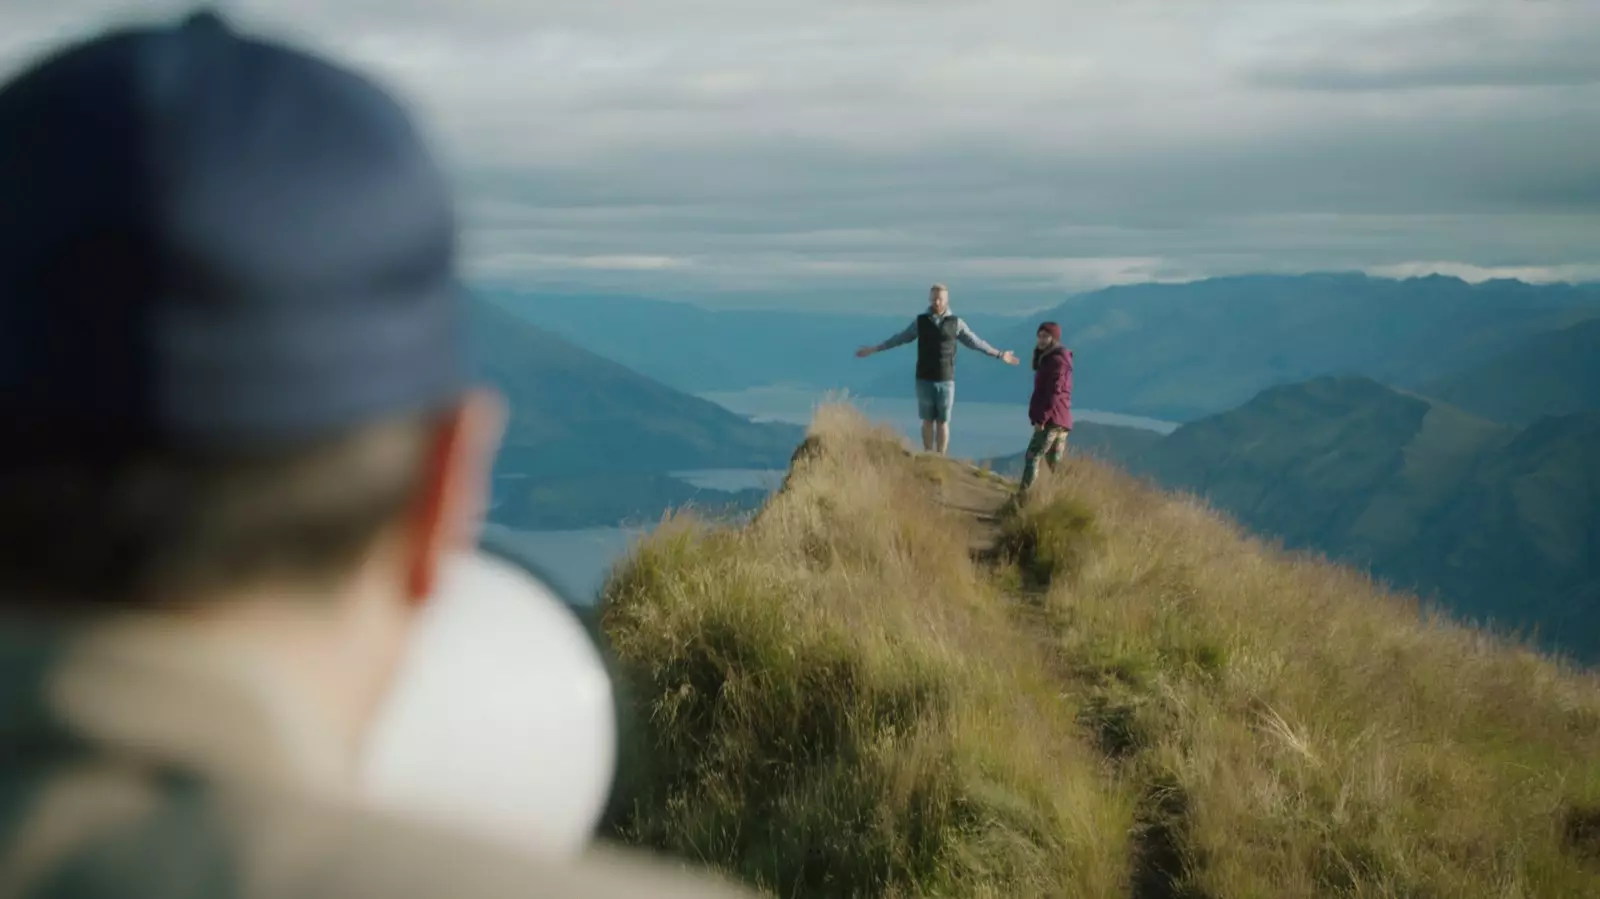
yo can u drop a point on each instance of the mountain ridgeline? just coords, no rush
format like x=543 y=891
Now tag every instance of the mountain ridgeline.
x=591 y=442
x=1555 y=373
x=1167 y=351
x=700 y=350
x=1183 y=351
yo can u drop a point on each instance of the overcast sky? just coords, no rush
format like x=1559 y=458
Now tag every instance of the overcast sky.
x=687 y=147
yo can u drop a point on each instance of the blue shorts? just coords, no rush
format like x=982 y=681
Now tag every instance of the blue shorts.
x=935 y=399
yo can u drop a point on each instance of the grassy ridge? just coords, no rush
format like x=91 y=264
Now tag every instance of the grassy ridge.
x=1127 y=698
x=1319 y=738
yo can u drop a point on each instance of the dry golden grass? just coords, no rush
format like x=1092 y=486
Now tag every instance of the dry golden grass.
x=1325 y=738
x=1136 y=700
x=837 y=704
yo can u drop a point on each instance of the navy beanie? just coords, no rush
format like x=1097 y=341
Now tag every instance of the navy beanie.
x=210 y=241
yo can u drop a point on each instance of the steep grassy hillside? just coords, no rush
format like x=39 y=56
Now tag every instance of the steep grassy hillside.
x=895 y=683
x=581 y=413
x=1555 y=373
x=1497 y=525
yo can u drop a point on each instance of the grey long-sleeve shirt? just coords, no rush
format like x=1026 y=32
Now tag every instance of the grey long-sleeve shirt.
x=966 y=335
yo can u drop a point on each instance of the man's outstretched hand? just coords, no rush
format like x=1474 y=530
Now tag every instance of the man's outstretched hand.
x=1009 y=358
x=865 y=351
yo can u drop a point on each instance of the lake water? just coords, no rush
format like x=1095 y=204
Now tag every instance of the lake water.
x=734 y=479
x=577 y=561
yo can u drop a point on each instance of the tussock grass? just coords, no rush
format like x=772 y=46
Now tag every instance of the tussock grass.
x=837 y=704
x=1047 y=541
x=1327 y=738
x=1133 y=700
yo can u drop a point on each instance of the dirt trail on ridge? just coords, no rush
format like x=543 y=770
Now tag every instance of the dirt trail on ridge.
x=975 y=493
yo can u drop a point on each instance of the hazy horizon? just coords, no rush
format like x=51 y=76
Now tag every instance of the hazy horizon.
x=1010 y=302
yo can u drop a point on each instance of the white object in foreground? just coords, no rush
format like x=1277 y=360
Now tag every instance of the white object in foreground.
x=502 y=721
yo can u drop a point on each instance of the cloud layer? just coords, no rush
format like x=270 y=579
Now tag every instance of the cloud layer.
x=706 y=146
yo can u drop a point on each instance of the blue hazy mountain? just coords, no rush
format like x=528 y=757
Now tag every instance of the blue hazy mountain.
x=577 y=417
x=1181 y=351
x=1169 y=351
x=695 y=349
x=1554 y=373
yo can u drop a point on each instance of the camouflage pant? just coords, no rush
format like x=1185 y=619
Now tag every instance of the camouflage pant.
x=1049 y=442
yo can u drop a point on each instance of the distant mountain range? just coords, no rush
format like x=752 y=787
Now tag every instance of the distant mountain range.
x=1444 y=435
x=698 y=350
x=591 y=442
x=1168 y=351
x=1183 y=351
x=1555 y=373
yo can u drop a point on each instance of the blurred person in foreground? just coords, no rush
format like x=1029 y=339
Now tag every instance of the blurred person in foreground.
x=1050 y=407
x=239 y=445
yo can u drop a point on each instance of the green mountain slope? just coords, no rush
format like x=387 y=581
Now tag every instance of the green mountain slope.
x=1526 y=523
x=1346 y=465
x=1493 y=523
x=577 y=415
x=1554 y=373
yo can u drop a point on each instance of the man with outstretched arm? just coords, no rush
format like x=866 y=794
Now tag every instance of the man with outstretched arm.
x=936 y=333
x=1050 y=409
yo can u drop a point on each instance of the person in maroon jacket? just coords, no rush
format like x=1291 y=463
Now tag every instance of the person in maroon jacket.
x=1050 y=410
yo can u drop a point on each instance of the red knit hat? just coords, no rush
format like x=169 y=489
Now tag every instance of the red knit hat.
x=1053 y=329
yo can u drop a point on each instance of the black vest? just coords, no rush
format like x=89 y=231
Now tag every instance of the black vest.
x=936 y=348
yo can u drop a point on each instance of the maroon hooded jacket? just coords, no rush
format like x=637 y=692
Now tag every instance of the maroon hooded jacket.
x=1052 y=388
